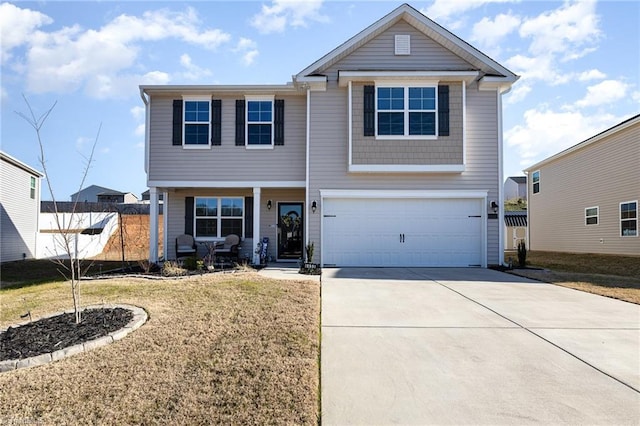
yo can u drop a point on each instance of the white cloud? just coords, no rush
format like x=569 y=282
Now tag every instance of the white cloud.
x=442 y=9
x=17 y=25
x=605 y=92
x=248 y=49
x=567 y=30
x=138 y=112
x=518 y=93
x=192 y=71
x=139 y=131
x=489 y=33
x=546 y=132
x=101 y=61
x=593 y=74
x=283 y=13
x=4 y=95
x=82 y=141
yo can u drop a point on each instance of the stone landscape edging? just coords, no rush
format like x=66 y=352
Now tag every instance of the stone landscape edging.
x=139 y=318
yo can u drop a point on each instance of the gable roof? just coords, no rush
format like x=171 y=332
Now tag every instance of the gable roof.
x=491 y=71
x=17 y=163
x=102 y=190
x=585 y=143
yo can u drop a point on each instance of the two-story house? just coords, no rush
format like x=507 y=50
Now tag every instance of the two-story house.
x=384 y=152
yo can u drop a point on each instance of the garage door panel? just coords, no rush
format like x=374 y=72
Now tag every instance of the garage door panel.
x=402 y=232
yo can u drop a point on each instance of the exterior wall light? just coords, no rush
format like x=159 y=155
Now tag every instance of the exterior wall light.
x=494 y=206
x=269 y=205
x=314 y=206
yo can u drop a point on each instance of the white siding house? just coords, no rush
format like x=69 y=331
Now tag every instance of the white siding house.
x=19 y=207
x=384 y=152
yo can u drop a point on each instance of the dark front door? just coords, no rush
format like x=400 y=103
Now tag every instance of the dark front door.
x=290 y=231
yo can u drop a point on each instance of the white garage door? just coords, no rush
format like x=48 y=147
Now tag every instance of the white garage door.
x=402 y=232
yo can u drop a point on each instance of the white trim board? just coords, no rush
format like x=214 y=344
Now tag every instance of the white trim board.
x=226 y=184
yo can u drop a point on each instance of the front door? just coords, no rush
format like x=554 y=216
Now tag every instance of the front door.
x=290 y=231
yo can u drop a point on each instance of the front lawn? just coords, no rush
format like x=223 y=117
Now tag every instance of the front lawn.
x=218 y=348
x=606 y=275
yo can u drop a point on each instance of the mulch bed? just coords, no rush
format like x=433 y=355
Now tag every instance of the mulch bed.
x=51 y=334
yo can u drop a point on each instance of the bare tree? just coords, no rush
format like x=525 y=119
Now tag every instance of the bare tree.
x=66 y=233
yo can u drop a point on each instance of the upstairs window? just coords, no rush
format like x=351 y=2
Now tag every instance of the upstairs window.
x=260 y=122
x=197 y=114
x=32 y=188
x=406 y=112
x=591 y=216
x=535 y=180
x=629 y=219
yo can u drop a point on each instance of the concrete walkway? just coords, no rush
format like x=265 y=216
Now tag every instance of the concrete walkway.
x=474 y=346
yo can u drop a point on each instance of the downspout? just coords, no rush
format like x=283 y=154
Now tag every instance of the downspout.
x=308 y=208
x=501 y=261
x=147 y=121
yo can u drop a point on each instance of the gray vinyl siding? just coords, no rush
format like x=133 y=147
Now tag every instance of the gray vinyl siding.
x=227 y=162
x=378 y=54
x=603 y=174
x=19 y=212
x=442 y=150
x=329 y=146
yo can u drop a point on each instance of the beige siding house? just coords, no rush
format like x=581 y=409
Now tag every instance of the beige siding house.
x=585 y=199
x=384 y=152
x=19 y=208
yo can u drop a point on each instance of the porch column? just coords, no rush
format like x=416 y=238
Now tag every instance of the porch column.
x=153 y=225
x=256 y=224
x=165 y=224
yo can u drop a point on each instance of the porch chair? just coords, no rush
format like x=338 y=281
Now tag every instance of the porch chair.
x=230 y=248
x=185 y=246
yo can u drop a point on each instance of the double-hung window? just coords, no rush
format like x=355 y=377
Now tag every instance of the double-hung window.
x=260 y=122
x=591 y=216
x=406 y=112
x=535 y=179
x=32 y=188
x=197 y=116
x=629 y=219
x=218 y=217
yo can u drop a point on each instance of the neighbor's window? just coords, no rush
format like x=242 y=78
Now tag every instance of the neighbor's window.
x=629 y=219
x=591 y=216
x=32 y=188
x=218 y=217
x=260 y=122
x=196 y=122
x=536 y=181
x=406 y=111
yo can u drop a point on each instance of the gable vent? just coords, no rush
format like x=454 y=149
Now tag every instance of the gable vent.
x=403 y=44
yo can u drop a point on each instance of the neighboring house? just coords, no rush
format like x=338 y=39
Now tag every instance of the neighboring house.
x=515 y=229
x=146 y=196
x=19 y=207
x=515 y=187
x=384 y=152
x=585 y=199
x=99 y=194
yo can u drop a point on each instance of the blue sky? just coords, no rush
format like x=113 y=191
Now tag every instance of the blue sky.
x=579 y=63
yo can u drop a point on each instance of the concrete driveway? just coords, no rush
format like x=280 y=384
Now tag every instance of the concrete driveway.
x=474 y=346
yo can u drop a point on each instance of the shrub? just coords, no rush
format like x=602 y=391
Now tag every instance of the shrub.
x=172 y=269
x=522 y=254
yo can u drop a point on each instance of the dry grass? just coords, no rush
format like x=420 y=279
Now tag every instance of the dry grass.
x=218 y=348
x=606 y=275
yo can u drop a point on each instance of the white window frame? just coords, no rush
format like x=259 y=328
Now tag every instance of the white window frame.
x=628 y=219
x=406 y=85
x=588 y=216
x=219 y=217
x=32 y=187
x=186 y=99
x=534 y=182
x=246 y=121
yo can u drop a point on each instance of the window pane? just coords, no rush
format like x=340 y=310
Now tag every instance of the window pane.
x=259 y=134
x=536 y=188
x=422 y=123
x=206 y=206
x=196 y=134
x=391 y=123
x=231 y=226
x=592 y=212
x=628 y=211
x=231 y=207
x=629 y=228
x=592 y=220
x=422 y=98
x=390 y=98
x=259 y=111
x=536 y=177
x=206 y=227
x=196 y=111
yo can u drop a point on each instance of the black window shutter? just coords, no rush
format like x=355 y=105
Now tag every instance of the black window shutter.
x=248 y=217
x=443 y=110
x=369 y=113
x=177 y=121
x=278 y=122
x=188 y=215
x=240 y=122
x=216 y=122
